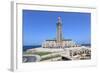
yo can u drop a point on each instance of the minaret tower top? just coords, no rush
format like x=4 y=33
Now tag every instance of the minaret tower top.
x=59 y=19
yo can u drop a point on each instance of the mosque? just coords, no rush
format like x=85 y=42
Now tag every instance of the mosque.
x=59 y=42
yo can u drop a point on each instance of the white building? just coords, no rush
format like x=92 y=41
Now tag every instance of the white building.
x=53 y=44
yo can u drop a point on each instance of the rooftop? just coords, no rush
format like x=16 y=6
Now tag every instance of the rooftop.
x=63 y=40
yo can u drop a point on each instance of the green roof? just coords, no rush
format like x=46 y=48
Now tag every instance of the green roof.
x=63 y=40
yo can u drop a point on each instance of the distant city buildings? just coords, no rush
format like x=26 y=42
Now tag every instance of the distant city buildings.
x=59 y=42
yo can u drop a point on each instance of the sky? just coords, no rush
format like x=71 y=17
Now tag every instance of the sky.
x=41 y=25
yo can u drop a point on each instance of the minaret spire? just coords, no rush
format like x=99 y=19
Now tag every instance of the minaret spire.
x=59 y=20
x=59 y=32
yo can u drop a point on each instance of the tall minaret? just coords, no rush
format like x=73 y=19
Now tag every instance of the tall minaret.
x=59 y=32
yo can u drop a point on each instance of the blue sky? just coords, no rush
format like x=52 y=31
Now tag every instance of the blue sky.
x=41 y=25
